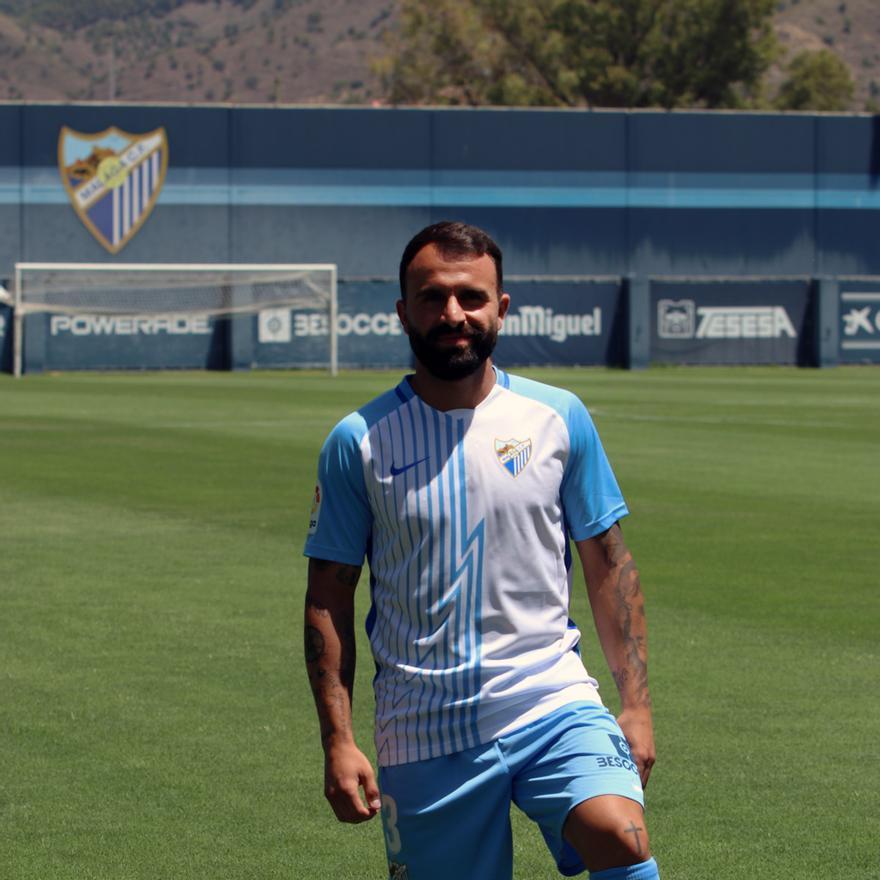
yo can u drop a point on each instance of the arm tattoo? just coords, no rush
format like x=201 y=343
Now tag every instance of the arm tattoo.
x=613 y=547
x=632 y=674
x=314 y=644
x=330 y=647
x=321 y=677
x=347 y=660
x=316 y=605
x=347 y=575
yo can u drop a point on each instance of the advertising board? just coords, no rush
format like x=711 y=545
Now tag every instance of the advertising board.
x=564 y=323
x=549 y=322
x=859 y=322
x=367 y=327
x=729 y=322
x=125 y=342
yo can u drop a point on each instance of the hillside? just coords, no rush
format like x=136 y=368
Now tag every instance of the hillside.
x=299 y=51
x=294 y=51
x=851 y=28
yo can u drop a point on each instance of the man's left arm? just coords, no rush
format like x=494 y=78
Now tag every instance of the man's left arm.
x=618 y=606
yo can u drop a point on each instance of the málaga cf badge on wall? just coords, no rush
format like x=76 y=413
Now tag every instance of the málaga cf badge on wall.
x=113 y=179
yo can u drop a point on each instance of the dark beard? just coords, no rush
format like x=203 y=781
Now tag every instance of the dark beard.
x=451 y=364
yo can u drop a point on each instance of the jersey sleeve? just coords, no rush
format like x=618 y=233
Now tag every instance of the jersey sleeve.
x=591 y=498
x=340 y=523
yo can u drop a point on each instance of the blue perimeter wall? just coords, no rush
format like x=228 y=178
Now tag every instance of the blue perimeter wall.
x=564 y=192
x=583 y=193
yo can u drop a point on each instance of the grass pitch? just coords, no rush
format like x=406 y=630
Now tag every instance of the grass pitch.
x=155 y=718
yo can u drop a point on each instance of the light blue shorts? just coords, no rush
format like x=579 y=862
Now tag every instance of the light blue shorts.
x=448 y=818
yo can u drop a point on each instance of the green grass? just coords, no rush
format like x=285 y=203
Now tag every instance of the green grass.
x=155 y=719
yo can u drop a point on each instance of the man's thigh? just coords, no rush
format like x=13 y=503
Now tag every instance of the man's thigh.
x=448 y=817
x=575 y=754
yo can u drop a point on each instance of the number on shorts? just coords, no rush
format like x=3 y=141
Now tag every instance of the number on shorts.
x=389 y=821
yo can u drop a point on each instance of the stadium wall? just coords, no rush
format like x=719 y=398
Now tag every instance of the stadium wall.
x=573 y=197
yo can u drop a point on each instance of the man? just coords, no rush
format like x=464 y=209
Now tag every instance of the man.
x=462 y=487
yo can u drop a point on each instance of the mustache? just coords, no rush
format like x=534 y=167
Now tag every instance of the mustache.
x=462 y=330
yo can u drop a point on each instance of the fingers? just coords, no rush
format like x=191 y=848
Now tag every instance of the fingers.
x=371 y=793
x=645 y=770
x=344 y=782
x=644 y=761
x=348 y=806
x=638 y=729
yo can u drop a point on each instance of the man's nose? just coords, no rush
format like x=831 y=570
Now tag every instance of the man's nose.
x=453 y=313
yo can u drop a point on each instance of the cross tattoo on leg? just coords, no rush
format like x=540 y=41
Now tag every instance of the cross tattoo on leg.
x=634 y=829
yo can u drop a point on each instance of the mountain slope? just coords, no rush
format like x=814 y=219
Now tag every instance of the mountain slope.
x=295 y=51
x=312 y=51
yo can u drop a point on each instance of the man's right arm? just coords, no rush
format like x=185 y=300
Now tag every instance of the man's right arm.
x=330 y=661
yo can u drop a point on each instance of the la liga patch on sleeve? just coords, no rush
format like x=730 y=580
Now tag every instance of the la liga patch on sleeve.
x=315 y=514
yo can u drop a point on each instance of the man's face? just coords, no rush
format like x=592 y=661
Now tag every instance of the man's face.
x=452 y=312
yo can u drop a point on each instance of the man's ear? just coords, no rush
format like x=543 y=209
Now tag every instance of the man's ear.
x=503 y=305
x=401 y=314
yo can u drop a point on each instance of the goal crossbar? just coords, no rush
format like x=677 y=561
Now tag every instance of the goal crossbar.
x=209 y=289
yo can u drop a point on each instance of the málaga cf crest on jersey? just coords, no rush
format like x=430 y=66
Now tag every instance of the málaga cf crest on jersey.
x=513 y=454
x=113 y=179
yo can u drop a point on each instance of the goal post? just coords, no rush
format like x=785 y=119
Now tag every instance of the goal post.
x=144 y=295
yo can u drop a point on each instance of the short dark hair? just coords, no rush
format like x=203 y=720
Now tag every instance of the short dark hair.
x=452 y=239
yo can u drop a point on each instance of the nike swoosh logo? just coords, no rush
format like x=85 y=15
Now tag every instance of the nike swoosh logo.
x=396 y=471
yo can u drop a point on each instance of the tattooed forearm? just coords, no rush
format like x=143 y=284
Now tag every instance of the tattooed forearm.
x=621 y=615
x=340 y=626
x=330 y=644
x=347 y=658
x=631 y=676
x=342 y=714
x=331 y=682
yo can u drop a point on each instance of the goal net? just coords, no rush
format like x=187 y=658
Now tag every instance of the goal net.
x=169 y=291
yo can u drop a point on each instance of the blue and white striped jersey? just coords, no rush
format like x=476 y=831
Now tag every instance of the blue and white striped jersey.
x=465 y=518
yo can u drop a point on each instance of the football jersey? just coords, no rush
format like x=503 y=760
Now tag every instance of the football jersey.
x=465 y=518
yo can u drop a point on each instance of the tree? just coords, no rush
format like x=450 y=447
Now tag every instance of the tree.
x=601 y=53
x=816 y=81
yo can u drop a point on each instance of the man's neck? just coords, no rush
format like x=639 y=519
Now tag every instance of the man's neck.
x=445 y=395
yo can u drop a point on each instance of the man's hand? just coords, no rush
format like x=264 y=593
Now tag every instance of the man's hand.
x=638 y=729
x=346 y=771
